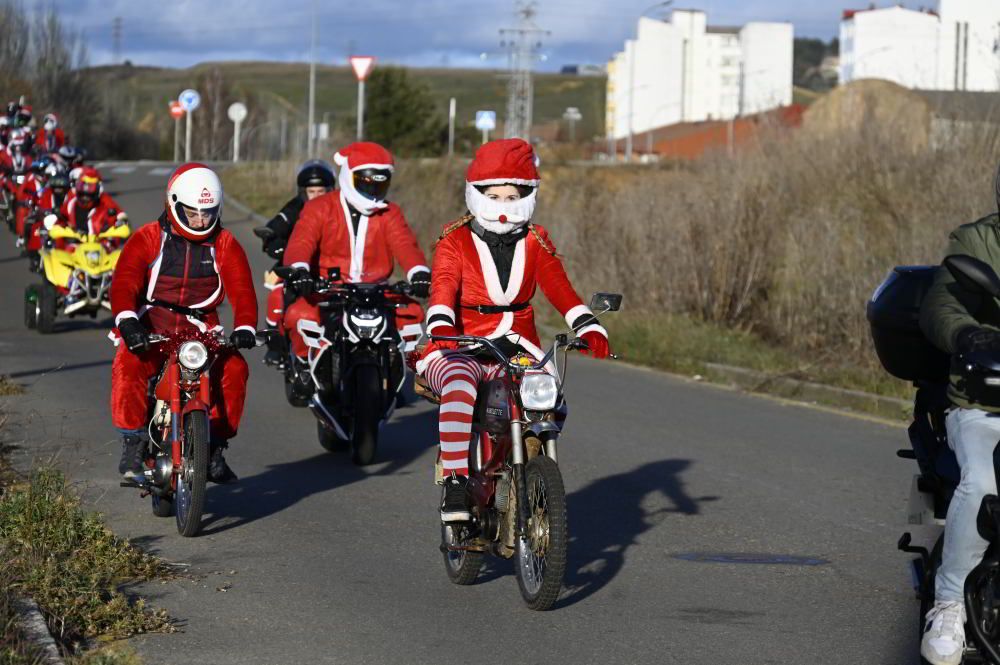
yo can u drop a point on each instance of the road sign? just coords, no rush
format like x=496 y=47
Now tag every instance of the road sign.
x=237 y=112
x=176 y=110
x=362 y=65
x=486 y=121
x=189 y=99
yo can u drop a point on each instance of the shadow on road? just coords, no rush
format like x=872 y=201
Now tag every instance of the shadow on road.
x=608 y=516
x=281 y=486
x=58 y=368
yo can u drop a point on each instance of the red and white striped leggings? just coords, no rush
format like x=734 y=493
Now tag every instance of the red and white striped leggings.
x=455 y=378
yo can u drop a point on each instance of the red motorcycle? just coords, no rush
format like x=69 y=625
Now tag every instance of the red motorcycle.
x=176 y=472
x=518 y=497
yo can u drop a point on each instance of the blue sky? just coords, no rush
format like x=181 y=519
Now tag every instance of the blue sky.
x=453 y=33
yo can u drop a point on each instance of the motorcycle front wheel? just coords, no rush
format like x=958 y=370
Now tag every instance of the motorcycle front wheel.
x=329 y=439
x=30 y=307
x=368 y=409
x=189 y=500
x=541 y=555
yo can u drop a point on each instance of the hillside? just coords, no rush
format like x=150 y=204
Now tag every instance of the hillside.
x=285 y=85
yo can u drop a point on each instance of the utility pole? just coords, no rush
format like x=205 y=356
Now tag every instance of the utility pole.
x=116 y=40
x=312 y=87
x=451 y=126
x=523 y=44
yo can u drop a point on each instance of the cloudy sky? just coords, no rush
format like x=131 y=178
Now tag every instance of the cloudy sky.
x=412 y=32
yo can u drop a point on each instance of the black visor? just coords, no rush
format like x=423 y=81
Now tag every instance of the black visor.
x=373 y=183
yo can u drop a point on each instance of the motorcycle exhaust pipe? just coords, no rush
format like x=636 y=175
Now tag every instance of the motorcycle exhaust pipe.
x=325 y=416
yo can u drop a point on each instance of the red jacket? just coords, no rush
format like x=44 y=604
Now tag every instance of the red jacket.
x=157 y=265
x=57 y=136
x=98 y=219
x=465 y=277
x=324 y=233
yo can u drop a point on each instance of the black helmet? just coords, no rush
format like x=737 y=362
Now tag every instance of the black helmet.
x=315 y=173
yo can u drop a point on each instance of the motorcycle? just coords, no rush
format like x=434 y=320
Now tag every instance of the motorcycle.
x=355 y=365
x=75 y=282
x=517 y=492
x=893 y=313
x=181 y=398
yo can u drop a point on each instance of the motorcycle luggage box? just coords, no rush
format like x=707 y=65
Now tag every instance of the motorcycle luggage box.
x=894 y=315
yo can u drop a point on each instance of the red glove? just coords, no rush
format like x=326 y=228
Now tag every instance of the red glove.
x=444 y=331
x=598 y=344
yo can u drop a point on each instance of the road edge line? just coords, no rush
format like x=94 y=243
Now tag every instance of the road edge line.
x=36 y=630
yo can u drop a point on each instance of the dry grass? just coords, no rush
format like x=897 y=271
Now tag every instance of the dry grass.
x=782 y=245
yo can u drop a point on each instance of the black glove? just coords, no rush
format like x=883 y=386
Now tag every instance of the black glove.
x=301 y=283
x=134 y=335
x=421 y=283
x=275 y=246
x=973 y=338
x=243 y=339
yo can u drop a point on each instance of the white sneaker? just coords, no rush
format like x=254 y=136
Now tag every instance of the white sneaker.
x=944 y=634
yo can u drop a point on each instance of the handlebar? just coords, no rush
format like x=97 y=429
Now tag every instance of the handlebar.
x=562 y=340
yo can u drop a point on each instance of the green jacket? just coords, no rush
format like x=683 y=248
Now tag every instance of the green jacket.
x=948 y=308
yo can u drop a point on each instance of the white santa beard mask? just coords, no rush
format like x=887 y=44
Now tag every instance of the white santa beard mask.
x=49 y=126
x=358 y=201
x=488 y=212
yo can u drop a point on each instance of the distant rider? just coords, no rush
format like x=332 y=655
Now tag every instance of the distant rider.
x=50 y=137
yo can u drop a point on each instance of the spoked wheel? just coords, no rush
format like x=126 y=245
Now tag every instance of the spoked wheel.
x=541 y=555
x=190 y=497
x=368 y=409
x=329 y=439
x=462 y=566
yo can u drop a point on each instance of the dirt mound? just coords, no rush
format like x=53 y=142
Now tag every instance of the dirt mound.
x=871 y=102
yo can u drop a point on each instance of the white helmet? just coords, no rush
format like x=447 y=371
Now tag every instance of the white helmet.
x=194 y=186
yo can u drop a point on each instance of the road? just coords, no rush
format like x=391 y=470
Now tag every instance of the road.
x=311 y=560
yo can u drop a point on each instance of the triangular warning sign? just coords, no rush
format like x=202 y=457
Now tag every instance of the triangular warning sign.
x=362 y=65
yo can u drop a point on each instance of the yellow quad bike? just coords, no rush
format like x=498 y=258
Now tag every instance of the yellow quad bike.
x=76 y=282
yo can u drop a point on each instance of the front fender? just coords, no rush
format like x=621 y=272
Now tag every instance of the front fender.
x=194 y=404
x=57 y=264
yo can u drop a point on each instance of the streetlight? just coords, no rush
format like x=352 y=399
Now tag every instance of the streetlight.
x=631 y=77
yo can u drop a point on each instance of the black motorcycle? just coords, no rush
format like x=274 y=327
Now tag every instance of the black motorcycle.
x=355 y=367
x=893 y=313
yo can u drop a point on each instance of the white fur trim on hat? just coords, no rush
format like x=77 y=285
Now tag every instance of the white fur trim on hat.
x=506 y=181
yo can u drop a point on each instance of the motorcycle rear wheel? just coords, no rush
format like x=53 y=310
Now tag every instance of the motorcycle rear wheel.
x=368 y=409
x=48 y=300
x=462 y=566
x=540 y=560
x=190 y=497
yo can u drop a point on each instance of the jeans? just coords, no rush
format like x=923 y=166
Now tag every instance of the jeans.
x=973 y=435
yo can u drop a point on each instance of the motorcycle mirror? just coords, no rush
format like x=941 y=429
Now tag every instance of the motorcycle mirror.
x=605 y=302
x=263 y=232
x=973 y=275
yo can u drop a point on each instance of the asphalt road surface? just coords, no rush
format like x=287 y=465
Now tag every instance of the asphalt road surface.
x=309 y=559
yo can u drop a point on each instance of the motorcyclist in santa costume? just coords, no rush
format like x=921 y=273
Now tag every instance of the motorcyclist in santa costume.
x=50 y=200
x=356 y=231
x=172 y=276
x=90 y=209
x=314 y=178
x=51 y=136
x=487 y=266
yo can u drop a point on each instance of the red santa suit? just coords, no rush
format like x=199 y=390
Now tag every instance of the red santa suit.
x=325 y=238
x=468 y=296
x=48 y=203
x=159 y=269
x=50 y=140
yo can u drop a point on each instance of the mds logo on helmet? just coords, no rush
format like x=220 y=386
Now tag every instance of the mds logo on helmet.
x=206 y=196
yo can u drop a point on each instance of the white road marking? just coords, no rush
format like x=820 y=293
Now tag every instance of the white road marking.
x=160 y=170
x=123 y=169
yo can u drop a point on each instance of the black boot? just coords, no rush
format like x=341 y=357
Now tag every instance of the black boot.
x=218 y=471
x=132 y=462
x=455 y=500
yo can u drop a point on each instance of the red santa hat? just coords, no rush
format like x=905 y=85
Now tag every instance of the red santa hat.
x=506 y=161
x=503 y=162
x=357 y=157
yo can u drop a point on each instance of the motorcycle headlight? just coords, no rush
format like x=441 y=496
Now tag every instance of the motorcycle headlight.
x=93 y=258
x=366 y=325
x=192 y=355
x=539 y=391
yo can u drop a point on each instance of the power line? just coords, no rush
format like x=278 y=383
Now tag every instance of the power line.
x=523 y=44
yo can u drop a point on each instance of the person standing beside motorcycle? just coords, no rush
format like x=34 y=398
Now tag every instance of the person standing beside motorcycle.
x=487 y=266
x=315 y=178
x=172 y=276
x=356 y=231
x=957 y=322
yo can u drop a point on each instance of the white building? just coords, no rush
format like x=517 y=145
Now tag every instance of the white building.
x=956 y=47
x=684 y=70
